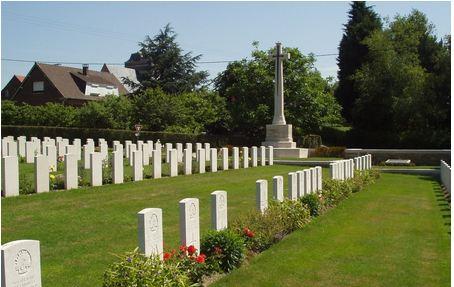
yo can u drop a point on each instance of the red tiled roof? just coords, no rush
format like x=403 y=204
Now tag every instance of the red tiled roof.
x=20 y=77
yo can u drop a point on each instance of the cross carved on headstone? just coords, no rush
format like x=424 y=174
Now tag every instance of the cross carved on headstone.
x=279 y=57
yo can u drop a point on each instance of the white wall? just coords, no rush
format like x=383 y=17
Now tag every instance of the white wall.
x=102 y=90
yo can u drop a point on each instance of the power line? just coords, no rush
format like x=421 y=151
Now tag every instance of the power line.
x=121 y=64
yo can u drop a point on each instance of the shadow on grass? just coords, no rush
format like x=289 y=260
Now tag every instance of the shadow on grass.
x=442 y=201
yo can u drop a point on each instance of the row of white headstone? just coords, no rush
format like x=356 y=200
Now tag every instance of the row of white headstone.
x=445 y=175
x=21 y=258
x=345 y=169
x=150 y=228
x=95 y=161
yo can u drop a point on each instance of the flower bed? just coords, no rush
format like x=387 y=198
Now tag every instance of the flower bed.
x=223 y=251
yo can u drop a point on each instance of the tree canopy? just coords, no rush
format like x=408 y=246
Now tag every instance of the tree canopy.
x=168 y=67
x=248 y=87
x=363 y=21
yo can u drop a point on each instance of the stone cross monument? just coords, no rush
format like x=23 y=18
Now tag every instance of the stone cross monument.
x=279 y=134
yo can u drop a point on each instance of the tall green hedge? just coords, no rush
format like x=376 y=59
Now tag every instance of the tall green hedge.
x=121 y=135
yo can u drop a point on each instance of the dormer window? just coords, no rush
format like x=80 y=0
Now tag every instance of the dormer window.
x=38 y=87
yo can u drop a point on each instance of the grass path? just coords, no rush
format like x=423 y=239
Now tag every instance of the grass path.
x=394 y=234
x=79 y=230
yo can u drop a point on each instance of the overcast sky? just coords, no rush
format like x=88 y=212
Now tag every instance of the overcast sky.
x=101 y=32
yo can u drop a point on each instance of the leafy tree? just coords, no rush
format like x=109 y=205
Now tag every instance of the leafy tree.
x=190 y=112
x=363 y=21
x=404 y=84
x=248 y=87
x=167 y=67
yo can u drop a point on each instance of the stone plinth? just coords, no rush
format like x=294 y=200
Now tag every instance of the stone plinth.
x=280 y=138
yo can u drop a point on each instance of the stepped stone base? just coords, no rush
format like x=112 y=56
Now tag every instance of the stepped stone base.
x=280 y=138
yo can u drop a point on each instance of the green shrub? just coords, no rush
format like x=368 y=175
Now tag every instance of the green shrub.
x=312 y=201
x=25 y=185
x=135 y=269
x=224 y=249
x=260 y=231
x=56 y=181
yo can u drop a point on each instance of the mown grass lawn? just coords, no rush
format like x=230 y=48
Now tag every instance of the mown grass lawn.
x=80 y=230
x=396 y=233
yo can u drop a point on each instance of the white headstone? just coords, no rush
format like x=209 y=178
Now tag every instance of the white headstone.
x=278 y=188
x=207 y=148
x=187 y=159
x=173 y=160
x=180 y=151
x=78 y=146
x=21 y=145
x=254 y=156
x=96 y=168
x=145 y=154
x=30 y=149
x=332 y=170
x=41 y=174
x=262 y=155
x=88 y=149
x=225 y=158
x=21 y=264
x=319 y=177
x=51 y=152
x=201 y=156
x=313 y=179
x=168 y=148
x=132 y=149
x=245 y=157
x=307 y=181
x=157 y=171
x=71 y=176
x=12 y=148
x=10 y=176
x=151 y=240
x=117 y=166
x=270 y=155
x=219 y=210
x=137 y=166
x=236 y=158
x=214 y=160
x=261 y=198
x=292 y=186
x=189 y=147
x=189 y=222
x=300 y=183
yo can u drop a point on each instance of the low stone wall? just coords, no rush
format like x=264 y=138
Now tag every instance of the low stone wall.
x=417 y=156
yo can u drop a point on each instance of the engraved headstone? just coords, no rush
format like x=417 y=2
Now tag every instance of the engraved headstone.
x=189 y=222
x=261 y=198
x=219 y=210
x=150 y=232
x=51 y=152
x=21 y=264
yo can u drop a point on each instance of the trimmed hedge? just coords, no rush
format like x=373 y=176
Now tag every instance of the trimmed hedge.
x=121 y=135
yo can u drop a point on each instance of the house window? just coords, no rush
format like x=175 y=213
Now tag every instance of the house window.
x=38 y=86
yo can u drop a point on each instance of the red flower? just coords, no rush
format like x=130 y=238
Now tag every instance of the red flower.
x=248 y=232
x=183 y=248
x=191 y=249
x=167 y=256
x=201 y=258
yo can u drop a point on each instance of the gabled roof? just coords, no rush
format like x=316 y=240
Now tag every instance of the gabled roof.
x=63 y=79
x=19 y=77
x=121 y=73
